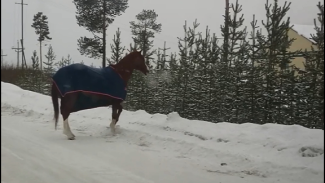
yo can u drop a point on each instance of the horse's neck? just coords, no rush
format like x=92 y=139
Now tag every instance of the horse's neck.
x=126 y=76
x=124 y=72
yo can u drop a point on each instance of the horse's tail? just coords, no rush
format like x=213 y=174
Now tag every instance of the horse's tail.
x=55 y=101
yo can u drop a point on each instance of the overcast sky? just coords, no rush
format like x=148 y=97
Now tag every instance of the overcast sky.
x=172 y=15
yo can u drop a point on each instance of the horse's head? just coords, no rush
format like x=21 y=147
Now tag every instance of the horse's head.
x=131 y=61
x=139 y=62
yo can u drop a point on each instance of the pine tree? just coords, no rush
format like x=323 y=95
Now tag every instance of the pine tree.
x=95 y=16
x=42 y=30
x=144 y=31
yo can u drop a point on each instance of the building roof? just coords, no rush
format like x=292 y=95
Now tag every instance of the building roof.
x=305 y=30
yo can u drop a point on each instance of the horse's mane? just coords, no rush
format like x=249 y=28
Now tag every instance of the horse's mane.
x=127 y=57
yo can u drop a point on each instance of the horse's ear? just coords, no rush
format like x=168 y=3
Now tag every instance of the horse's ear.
x=134 y=50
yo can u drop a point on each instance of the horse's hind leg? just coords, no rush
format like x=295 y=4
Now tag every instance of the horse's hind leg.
x=65 y=111
x=116 y=111
x=119 y=111
x=114 y=118
x=66 y=129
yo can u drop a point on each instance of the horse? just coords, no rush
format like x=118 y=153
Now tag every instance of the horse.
x=81 y=87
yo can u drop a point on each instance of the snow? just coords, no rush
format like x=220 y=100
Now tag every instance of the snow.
x=305 y=30
x=162 y=75
x=149 y=148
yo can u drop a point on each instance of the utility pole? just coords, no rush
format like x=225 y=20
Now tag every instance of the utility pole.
x=17 y=49
x=23 y=59
x=22 y=30
x=2 y=55
x=104 y=34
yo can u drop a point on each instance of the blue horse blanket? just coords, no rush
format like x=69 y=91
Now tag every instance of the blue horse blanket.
x=98 y=81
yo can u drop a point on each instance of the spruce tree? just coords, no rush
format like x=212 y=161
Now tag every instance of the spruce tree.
x=48 y=69
x=255 y=81
x=117 y=49
x=311 y=78
x=158 y=83
x=50 y=58
x=173 y=82
x=35 y=60
x=272 y=58
x=64 y=62
x=233 y=65
x=37 y=76
x=212 y=79
x=135 y=97
x=186 y=45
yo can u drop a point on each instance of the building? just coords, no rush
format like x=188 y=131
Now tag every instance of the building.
x=302 y=35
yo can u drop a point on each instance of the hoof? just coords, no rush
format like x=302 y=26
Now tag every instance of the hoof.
x=71 y=138
x=113 y=131
x=67 y=134
x=112 y=128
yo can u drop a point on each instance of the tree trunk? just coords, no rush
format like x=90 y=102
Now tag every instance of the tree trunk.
x=40 y=55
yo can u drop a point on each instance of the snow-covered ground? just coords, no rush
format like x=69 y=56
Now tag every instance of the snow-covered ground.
x=149 y=148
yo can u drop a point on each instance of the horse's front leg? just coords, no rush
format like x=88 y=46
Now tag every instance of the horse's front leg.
x=114 y=118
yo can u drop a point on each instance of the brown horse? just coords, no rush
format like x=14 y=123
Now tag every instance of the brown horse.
x=77 y=99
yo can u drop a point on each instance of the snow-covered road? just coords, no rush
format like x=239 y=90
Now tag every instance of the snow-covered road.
x=31 y=153
x=149 y=148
